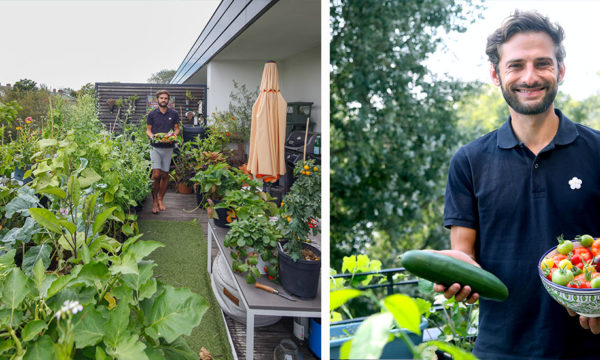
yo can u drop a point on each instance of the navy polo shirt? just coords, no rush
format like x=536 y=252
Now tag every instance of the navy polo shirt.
x=162 y=123
x=519 y=203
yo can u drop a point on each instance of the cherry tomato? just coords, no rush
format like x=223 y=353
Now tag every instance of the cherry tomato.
x=575 y=259
x=582 y=282
x=565 y=264
x=595 y=283
x=596 y=247
x=547 y=263
x=584 y=253
x=562 y=277
x=549 y=276
x=558 y=258
x=565 y=247
x=586 y=240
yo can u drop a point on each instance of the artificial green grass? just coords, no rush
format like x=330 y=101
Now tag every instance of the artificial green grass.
x=182 y=263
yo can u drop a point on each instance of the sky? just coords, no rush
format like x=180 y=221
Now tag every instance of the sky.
x=466 y=55
x=70 y=43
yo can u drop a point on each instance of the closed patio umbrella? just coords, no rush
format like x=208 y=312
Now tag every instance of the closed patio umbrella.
x=267 y=131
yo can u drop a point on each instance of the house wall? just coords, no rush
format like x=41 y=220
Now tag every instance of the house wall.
x=220 y=76
x=299 y=80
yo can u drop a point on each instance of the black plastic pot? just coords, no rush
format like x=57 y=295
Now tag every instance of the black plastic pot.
x=300 y=278
x=222 y=216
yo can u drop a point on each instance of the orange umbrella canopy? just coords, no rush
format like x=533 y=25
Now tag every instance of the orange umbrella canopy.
x=267 y=132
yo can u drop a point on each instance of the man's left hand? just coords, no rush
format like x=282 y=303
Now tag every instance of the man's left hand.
x=592 y=324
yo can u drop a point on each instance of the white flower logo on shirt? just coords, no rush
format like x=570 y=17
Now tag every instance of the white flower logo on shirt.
x=575 y=183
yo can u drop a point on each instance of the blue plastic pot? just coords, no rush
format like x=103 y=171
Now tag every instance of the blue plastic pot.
x=314 y=337
x=395 y=349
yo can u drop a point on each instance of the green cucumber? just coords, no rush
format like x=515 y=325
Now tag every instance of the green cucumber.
x=446 y=270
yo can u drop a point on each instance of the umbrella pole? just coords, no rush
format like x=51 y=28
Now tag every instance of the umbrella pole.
x=305 y=136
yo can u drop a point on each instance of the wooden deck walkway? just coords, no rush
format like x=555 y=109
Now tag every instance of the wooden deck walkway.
x=182 y=207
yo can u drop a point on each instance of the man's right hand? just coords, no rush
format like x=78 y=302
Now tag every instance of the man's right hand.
x=461 y=293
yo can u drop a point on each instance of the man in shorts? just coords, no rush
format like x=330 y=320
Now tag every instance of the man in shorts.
x=161 y=120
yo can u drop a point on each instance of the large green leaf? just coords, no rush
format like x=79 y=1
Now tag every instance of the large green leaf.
x=92 y=272
x=141 y=249
x=16 y=287
x=143 y=282
x=129 y=348
x=22 y=234
x=33 y=255
x=32 y=329
x=104 y=242
x=58 y=284
x=101 y=219
x=339 y=297
x=131 y=241
x=53 y=190
x=128 y=265
x=9 y=317
x=46 y=218
x=71 y=228
x=44 y=143
x=116 y=327
x=405 y=311
x=87 y=177
x=371 y=336
x=40 y=350
x=74 y=190
x=155 y=354
x=24 y=200
x=65 y=242
x=175 y=312
x=100 y=354
x=8 y=259
x=456 y=352
x=39 y=276
x=178 y=350
x=89 y=328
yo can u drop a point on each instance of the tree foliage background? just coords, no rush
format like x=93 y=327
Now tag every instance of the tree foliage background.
x=164 y=76
x=393 y=126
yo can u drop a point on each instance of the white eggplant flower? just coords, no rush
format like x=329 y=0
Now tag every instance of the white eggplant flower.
x=575 y=183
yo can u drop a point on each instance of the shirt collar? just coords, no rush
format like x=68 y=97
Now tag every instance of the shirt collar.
x=566 y=134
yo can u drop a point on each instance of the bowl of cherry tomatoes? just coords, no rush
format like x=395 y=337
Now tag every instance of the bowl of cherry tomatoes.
x=570 y=272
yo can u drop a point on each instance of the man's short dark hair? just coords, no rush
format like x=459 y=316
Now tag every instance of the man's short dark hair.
x=160 y=92
x=524 y=22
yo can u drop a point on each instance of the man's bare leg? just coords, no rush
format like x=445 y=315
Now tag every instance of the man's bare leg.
x=155 y=190
x=164 y=184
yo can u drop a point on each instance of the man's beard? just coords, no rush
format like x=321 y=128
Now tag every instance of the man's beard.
x=163 y=105
x=513 y=101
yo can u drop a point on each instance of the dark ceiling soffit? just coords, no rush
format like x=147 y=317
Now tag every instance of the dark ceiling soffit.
x=145 y=84
x=182 y=75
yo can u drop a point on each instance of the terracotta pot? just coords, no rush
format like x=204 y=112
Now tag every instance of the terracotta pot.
x=184 y=189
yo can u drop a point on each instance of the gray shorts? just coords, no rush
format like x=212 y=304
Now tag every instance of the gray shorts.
x=161 y=158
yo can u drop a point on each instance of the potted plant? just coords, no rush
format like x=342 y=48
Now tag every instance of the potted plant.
x=248 y=201
x=184 y=169
x=203 y=160
x=215 y=181
x=299 y=262
x=189 y=97
x=253 y=242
